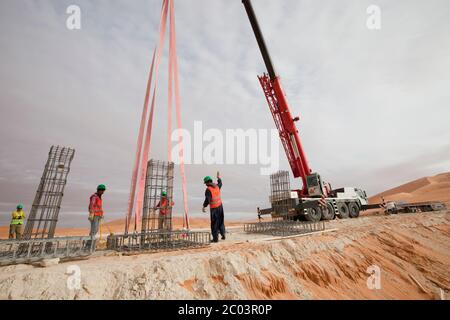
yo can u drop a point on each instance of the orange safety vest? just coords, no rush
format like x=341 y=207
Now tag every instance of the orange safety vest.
x=96 y=205
x=163 y=207
x=216 y=200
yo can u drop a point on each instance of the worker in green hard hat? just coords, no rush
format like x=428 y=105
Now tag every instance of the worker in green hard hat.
x=213 y=198
x=165 y=211
x=96 y=209
x=17 y=221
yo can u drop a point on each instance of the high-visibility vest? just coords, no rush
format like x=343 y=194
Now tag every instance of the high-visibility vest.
x=18 y=217
x=216 y=200
x=96 y=205
x=163 y=207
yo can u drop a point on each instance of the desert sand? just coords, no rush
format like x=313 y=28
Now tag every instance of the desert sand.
x=412 y=252
x=436 y=188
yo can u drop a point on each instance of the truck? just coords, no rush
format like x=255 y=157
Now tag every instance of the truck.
x=316 y=200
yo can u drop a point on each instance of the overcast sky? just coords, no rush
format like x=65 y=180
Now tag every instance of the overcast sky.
x=374 y=104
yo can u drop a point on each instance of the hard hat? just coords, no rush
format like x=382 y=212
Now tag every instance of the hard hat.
x=101 y=187
x=207 y=179
x=164 y=193
x=20 y=206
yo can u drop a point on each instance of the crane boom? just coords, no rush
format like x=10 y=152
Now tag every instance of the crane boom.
x=279 y=107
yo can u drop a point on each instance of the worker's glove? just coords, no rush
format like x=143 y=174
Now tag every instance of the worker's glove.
x=204 y=210
x=91 y=217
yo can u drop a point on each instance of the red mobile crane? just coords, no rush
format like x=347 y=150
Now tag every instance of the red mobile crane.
x=343 y=202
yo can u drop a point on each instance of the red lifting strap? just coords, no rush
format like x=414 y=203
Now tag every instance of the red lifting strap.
x=140 y=165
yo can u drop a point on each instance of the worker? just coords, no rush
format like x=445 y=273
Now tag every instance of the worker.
x=18 y=218
x=214 y=200
x=164 y=212
x=96 y=209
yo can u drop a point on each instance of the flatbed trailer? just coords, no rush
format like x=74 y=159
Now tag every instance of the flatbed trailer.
x=395 y=207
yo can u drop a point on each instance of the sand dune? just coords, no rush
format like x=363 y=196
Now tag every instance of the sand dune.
x=436 y=188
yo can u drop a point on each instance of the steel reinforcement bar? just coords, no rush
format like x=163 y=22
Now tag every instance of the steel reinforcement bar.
x=284 y=227
x=158 y=241
x=29 y=251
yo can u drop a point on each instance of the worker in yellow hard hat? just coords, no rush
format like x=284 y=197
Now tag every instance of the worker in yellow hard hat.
x=17 y=221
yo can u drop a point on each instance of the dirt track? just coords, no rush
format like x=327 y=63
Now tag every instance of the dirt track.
x=412 y=252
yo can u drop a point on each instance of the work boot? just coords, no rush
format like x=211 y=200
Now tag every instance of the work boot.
x=223 y=237
x=214 y=240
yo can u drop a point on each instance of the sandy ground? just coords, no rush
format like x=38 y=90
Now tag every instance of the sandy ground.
x=412 y=251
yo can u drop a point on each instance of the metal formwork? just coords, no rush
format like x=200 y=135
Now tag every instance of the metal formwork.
x=158 y=240
x=44 y=213
x=284 y=227
x=156 y=215
x=28 y=251
x=280 y=192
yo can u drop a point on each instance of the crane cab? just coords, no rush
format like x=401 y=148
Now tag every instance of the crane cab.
x=315 y=186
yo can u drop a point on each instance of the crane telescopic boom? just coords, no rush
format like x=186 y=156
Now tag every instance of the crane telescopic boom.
x=279 y=107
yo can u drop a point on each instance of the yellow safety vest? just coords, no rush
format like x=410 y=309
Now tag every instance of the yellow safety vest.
x=18 y=217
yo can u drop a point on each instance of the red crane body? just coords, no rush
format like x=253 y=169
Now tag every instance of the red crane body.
x=287 y=129
x=279 y=108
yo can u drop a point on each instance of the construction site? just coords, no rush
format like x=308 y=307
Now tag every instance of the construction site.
x=306 y=238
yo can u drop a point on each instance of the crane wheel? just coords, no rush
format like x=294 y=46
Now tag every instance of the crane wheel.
x=353 y=210
x=314 y=214
x=328 y=212
x=343 y=210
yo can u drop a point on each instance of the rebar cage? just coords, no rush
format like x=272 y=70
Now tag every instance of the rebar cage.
x=284 y=227
x=43 y=216
x=158 y=240
x=28 y=251
x=280 y=193
x=157 y=211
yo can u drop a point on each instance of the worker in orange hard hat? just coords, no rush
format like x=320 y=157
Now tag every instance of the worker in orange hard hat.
x=165 y=210
x=213 y=198
x=96 y=209
x=17 y=221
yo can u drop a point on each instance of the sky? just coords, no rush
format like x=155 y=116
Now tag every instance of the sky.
x=374 y=104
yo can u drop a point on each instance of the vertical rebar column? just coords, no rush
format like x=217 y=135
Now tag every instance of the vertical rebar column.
x=157 y=212
x=280 y=193
x=44 y=212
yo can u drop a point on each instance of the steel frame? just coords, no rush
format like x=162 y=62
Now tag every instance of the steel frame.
x=159 y=178
x=28 y=251
x=280 y=193
x=43 y=216
x=152 y=241
x=284 y=227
